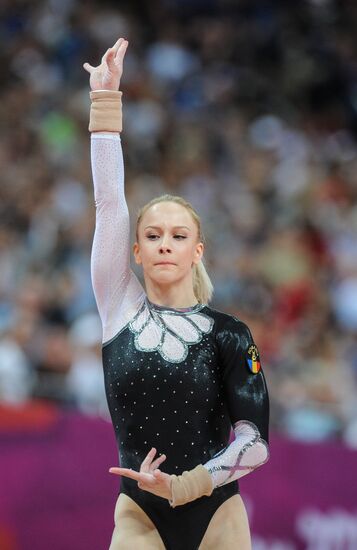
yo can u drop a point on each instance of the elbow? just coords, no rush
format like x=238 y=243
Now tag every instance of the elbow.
x=109 y=202
x=257 y=455
x=105 y=199
x=256 y=448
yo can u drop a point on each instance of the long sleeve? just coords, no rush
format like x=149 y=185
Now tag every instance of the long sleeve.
x=117 y=291
x=248 y=405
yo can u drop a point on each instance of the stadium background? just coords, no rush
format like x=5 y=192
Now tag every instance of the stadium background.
x=248 y=108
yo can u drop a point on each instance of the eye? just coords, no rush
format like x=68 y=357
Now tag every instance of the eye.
x=152 y=237
x=179 y=237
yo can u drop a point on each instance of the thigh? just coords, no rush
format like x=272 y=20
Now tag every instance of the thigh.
x=133 y=528
x=228 y=528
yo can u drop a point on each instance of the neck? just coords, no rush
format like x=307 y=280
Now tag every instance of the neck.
x=171 y=295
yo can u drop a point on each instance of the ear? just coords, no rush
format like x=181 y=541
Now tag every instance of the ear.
x=136 y=252
x=198 y=253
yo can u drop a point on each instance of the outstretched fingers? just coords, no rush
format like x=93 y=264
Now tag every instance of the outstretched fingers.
x=146 y=463
x=150 y=478
x=120 y=52
x=112 y=59
x=132 y=474
x=149 y=464
x=117 y=44
x=156 y=463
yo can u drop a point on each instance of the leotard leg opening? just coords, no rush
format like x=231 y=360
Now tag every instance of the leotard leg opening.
x=180 y=528
x=133 y=528
x=228 y=528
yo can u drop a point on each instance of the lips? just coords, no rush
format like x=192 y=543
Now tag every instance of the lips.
x=165 y=263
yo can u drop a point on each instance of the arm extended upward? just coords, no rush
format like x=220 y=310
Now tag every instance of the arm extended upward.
x=117 y=291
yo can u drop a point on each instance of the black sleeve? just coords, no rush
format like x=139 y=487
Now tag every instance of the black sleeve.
x=245 y=390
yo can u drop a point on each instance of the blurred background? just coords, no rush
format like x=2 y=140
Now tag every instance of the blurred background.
x=247 y=108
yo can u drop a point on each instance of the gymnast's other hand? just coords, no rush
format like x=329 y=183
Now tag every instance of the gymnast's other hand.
x=107 y=75
x=150 y=478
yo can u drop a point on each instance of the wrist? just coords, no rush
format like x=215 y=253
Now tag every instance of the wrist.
x=190 y=486
x=106 y=111
x=100 y=94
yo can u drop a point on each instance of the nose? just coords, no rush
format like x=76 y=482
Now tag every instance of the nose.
x=164 y=246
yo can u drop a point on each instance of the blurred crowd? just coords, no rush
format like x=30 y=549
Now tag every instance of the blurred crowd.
x=247 y=108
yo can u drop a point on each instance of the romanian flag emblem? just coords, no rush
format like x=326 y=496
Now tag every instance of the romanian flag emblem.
x=253 y=359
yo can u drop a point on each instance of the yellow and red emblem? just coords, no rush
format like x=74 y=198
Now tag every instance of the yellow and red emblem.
x=253 y=359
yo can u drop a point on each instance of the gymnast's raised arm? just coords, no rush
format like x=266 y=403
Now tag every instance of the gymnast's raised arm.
x=117 y=291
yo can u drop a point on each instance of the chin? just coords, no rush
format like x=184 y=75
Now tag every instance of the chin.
x=163 y=278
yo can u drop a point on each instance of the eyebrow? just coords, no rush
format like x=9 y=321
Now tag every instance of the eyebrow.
x=176 y=227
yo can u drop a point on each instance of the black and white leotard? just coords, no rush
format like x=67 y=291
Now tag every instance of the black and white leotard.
x=175 y=379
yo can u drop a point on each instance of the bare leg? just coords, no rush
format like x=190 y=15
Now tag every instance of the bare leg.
x=133 y=528
x=228 y=528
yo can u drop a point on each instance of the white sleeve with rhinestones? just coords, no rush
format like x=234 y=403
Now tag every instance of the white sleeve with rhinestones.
x=118 y=293
x=243 y=455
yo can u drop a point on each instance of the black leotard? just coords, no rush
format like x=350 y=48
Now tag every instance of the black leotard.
x=175 y=379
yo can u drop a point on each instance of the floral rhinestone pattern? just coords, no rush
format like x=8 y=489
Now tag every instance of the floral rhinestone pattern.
x=169 y=332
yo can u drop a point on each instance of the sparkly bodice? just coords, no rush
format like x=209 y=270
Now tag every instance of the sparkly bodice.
x=165 y=389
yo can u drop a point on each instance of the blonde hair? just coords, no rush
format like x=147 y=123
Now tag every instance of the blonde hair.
x=202 y=285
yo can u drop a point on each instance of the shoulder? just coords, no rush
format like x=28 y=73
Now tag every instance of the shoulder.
x=235 y=344
x=231 y=328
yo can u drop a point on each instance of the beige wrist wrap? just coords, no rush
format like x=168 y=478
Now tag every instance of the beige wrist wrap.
x=190 y=485
x=105 y=111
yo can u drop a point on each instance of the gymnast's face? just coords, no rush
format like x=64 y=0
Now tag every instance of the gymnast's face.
x=168 y=244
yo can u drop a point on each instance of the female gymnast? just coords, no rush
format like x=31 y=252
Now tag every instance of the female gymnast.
x=179 y=375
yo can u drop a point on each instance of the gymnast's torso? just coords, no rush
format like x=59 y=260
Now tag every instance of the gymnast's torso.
x=165 y=384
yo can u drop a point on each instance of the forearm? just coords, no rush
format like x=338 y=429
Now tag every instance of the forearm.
x=117 y=291
x=246 y=452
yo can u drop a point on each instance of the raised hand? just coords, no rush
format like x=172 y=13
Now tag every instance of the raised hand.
x=150 y=478
x=107 y=75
